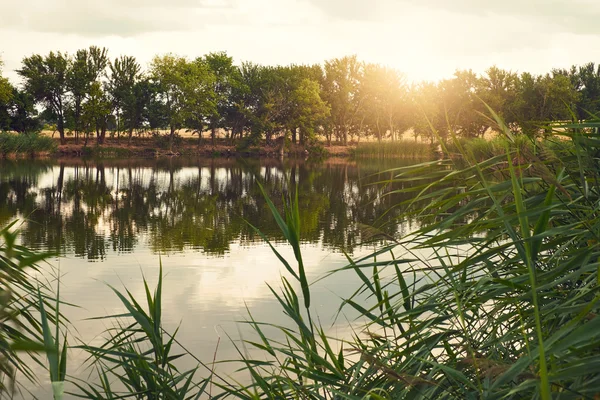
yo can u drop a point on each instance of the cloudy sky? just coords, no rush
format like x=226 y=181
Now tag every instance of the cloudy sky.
x=426 y=39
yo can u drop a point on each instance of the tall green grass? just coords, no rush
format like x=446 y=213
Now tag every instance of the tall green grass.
x=504 y=306
x=137 y=360
x=495 y=296
x=395 y=149
x=23 y=321
x=481 y=149
x=28 y=144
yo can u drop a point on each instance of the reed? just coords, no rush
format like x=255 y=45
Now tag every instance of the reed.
x=504 y=306
x=393 y=149
x=27 y=144
x=496 y=295
x=23 y=320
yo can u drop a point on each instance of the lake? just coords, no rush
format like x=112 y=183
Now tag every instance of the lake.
x=115 y=221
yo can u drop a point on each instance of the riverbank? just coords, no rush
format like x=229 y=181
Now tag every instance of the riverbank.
x=44 y=145
x=150 y=147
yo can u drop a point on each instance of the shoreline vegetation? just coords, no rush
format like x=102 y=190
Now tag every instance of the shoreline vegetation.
x=213 y=106
x=43 y=146
x=495 y=295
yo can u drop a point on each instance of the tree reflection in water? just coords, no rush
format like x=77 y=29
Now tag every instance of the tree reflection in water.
x=92 y=209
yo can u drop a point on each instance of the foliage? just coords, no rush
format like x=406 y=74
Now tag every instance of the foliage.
x=126 y=93
x=184 y=88
x=46 y=80
x=504 y=305
x=28 y=144
x=19 y=114
x=138 y=355
x=94 y=112
x=402 y=148
x=5 y=88
x=385 y=97
x=495 y=295
x=342 y=100
x=21 y=302
x=341 y=91
x=82 y=82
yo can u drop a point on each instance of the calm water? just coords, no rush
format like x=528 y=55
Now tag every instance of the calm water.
x=113 y=221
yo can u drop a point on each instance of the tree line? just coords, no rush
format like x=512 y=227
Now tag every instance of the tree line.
x=89 y=94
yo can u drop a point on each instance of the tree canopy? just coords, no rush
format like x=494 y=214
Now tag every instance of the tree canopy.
x=342 y=100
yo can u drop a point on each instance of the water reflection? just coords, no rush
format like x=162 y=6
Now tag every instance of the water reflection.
x=87 y=209
x=193 y=213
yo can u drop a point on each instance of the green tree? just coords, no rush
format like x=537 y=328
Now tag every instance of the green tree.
x=254 y=97
x=45 y=78
x=6 y=88
x=185 y=90
x=498 y=89
x=543 y=99
x=341 y=91
x=464 y=108
x=22 y=113
x=95 y=112
x=385 y=95
x=586 y=81
x=6 y=93
x=225 y=76
x=125 y=94
x=309 y=111
x=428 y=111
x=86 y=68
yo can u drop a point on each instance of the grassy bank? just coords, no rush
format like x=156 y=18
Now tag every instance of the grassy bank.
x=146 y=147
x=156 y=147
x=392 y=149
x=25 y=144
x=496 y=295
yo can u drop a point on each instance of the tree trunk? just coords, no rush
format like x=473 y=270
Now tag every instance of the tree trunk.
x=268 y=137
x=171 y=137
x=102 y=134
x=294 y=135
x=61 y=130
x=213 y=134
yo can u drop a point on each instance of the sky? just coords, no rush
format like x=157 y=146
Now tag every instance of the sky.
x=424 y=39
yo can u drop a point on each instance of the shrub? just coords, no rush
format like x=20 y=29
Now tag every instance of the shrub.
x=29 y=143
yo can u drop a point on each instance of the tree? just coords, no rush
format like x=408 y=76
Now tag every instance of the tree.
x=586 y=80
x=6 y=92
x=22 y=113
x=428 y=111
x=86 y=68
x=45 y=78
x=6 y=88
x=224 y=72
x=384 y=95
x=125 y=93
x=498 y=89
x=95 y=112
x=543 y=99
x=341 y=92
x=185 y=89
x=309 y=110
